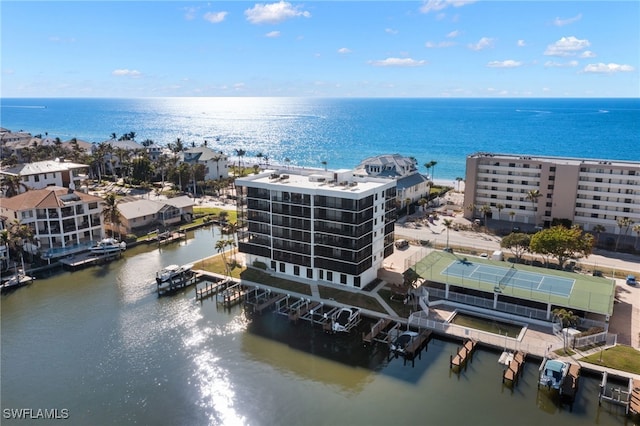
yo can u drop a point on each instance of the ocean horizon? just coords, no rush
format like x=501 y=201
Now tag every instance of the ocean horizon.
x=344 y=131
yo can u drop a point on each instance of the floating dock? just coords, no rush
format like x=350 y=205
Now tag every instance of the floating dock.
x=465 y=353
x=515 y=365
x=83 y=260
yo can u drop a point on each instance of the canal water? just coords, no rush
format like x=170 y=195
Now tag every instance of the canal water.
x=101 y=344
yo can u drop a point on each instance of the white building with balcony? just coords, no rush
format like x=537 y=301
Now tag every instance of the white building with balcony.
x=536 y=190
x=42 y=174
x=63 y=221
x=321 y=226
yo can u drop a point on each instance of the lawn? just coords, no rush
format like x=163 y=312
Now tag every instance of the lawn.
x=359 y=300
x=620 y=357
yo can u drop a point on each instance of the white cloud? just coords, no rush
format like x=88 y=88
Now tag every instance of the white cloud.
x=566 y=46
x=190 y=13
x=483 y=43
x=521 y=43
x=601 y=68
x=390 y=31
x=437 y=5
x=442 y=44
x=453 y=34
x=274 y=13
x=509 y=63
x=587 y=54
x=272 y=34
x=553 y=64
x=126 y=73
x=397 y=62
x=558 y=22
x=344 y=50
x=215 y=17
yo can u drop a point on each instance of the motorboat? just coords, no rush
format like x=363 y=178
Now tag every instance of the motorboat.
x=169 y=272
x=400 y=343
x=108 y=245
x=15 y=281
x=553 y=373
x=345 y=319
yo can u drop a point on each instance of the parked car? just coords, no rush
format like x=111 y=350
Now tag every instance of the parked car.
x=400 y=244
x=631 y=280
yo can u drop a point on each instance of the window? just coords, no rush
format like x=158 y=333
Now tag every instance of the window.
x=273 y=265
x=282 y=267
x=343 y=278
x=329 y=276
x=296 y=270
x=321 y=274
x=309 y=273
x=356 y=282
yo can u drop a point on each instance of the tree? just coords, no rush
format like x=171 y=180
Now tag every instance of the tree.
x=636 y=229
x=499 y=207
x=448 y=224
x=533 y=196
x=12 y=185
x=324 y=163
x=472 y=208
x=422 y=202
x=624 y=223
x=458 y=180
x=486 y=211
x=562 y=243
x=566 y=319
x=241 y=153
x=431 y=165
x=110 y=212
x=517 y=243
x=598 y=229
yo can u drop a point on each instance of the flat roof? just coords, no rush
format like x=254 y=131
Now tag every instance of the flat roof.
x=588 y=293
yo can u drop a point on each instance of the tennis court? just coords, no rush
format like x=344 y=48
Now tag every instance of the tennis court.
x=502 y=277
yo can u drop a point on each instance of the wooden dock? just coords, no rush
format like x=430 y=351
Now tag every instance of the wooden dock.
x=301 y=308
x=376 y=329
x=570 y=386
x=512 y=373
x=231 y=296
x=415 y=347
x=465 y=353
x=83 y=260
x=211 y=288
x=177 y=283
x=634 y=400
x=267 y=303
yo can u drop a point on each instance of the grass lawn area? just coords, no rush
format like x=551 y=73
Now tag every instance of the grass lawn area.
x=397 y=305
x=232 y=215
x=215 y=264
x=258 y=276
x=359 y=300
x=620 y=357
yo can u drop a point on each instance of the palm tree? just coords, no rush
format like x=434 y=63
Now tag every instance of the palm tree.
x=458 y=180
x=422 y=202
x=12 y=185
x=623 y=223
x=324 y=163
x=111 y=213
x=598 y=229
x=636 y=229
x=287 y=160
x=486 y=211
x=512 y=215
x=499 y=207
x=448 y=223
x=472 y=208
x=533 y=196
x=240 y=153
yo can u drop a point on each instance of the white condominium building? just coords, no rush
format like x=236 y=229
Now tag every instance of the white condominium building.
x=535 y=191
x=322 y=226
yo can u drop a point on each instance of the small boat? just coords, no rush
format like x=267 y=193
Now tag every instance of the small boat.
x=16 y=281
x=402 y=341
x=344 y=319
x=169 y=272
x=552 y=373
x=108 y=245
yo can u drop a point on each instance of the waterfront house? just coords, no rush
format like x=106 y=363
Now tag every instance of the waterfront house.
x=136 y=213
x=320 y=226
x=410 y=184
x=63 y=221
x=215 y=162
x=41 y=174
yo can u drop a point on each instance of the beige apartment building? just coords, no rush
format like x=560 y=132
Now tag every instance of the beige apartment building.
x=533 y=191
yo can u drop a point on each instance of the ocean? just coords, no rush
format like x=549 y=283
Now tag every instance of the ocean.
x=343 y=132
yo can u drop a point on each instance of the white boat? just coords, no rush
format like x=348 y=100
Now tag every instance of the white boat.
x=15 y=281
x=400 y=343
x=345 y=319
x=108 y=245
x=169 y=272
x=552 y=373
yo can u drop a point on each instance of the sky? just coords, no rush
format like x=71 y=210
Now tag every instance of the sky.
x=433 y=48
